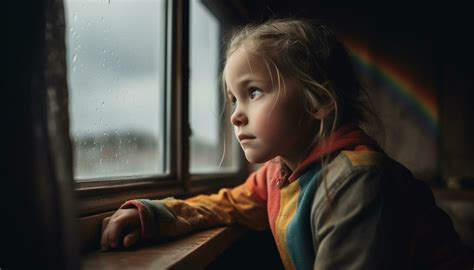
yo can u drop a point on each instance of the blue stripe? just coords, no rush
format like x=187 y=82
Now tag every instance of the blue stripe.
x=298 y=235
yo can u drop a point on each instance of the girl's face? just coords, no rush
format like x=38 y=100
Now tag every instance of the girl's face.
x=268 y=121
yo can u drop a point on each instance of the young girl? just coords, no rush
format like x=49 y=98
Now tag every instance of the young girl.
x=331 y=197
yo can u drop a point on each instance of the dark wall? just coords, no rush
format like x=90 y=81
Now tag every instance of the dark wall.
x=430 y=48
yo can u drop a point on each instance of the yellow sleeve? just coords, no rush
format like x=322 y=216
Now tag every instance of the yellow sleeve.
x=244 y=204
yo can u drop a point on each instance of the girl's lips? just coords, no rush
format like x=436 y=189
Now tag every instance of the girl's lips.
x=243 y=141
x=245 y=138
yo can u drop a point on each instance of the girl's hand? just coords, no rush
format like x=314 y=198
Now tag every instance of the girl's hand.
x=121 y=229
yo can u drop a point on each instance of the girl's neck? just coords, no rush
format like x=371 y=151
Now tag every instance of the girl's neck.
x=291 y=165
x=301 y=150
x=293 y=160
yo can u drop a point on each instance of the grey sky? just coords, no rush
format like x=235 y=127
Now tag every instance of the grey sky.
x=115 y=64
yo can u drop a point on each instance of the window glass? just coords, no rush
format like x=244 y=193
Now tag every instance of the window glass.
x=116 y=71
x=208 y=138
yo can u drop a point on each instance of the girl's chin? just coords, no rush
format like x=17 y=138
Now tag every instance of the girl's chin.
x=253 y=158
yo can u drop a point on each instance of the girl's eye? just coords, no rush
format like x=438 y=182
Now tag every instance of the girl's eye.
x=233 y=101
x=255 y=92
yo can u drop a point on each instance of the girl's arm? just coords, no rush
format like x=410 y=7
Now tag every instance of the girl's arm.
x=244 y=204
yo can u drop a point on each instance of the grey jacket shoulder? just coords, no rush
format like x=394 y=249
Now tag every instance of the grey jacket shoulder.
x=343 y=166
x=346 y=210
x=371 y=213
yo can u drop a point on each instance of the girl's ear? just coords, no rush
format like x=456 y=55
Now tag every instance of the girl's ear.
x=324 y=111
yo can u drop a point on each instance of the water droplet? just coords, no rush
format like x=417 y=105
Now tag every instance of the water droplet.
x=74 y=58
x=75 y=16
x=104 y=51
x=101 y=148
x=88 y=23
x=103 y=103
x=102 y=18
x=97 y=109
x=71 y=29
x=108 y=2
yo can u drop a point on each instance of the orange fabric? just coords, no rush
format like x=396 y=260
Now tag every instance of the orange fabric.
x=245 y=204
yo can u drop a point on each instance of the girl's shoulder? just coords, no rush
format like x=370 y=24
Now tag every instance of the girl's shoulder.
x=365 y=160
x=347 y=163
x=364 y=172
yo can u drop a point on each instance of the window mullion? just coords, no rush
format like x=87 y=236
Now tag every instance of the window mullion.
x=179 y=95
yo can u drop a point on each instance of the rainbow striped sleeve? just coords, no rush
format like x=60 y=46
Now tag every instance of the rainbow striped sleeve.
x=244 y=204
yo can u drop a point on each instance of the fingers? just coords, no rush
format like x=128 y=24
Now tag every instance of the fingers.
x=131 y=238
x=114 y=230
x=104 y=240
x=105 y=222
x=114 y=227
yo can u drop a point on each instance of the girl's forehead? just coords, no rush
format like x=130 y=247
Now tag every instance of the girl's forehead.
x=241 y=59
x=243 y=65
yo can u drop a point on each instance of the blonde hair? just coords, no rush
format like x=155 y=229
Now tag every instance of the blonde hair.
x=312 y=56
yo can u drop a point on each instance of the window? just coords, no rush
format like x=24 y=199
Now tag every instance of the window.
x=208 y=139
x=116 y=74
x=131 y=98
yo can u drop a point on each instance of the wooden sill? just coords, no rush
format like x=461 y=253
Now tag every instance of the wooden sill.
x=194 y=251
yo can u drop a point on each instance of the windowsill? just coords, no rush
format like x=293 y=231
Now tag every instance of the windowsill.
x=194 y=251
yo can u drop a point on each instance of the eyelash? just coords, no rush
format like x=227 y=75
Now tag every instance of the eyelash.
x=251 y=90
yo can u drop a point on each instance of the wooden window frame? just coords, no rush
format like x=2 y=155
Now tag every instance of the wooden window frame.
x=96 y=197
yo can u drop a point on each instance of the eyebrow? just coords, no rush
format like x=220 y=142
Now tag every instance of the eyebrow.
x=244 y=82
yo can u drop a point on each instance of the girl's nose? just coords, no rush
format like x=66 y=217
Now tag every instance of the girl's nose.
x=238 y=118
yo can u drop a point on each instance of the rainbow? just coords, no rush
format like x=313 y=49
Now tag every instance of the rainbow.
x=415 y=96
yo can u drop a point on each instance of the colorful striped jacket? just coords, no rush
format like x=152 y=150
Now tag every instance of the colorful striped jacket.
x=368 y=213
